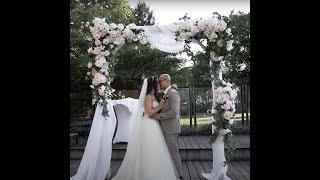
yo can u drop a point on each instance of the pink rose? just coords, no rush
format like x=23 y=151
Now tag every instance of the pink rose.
x=127 y=33
x=98 y=79
x=227 y=105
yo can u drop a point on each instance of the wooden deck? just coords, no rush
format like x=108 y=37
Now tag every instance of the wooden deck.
x=185 y=142
x=237 y=170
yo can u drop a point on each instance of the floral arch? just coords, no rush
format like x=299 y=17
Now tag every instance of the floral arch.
x=109 y=38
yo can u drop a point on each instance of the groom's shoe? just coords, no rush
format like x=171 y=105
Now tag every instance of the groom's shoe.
x=181 y=178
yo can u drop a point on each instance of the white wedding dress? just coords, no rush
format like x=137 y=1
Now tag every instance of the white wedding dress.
x=147 y=156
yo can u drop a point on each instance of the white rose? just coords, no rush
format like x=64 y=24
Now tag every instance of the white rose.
x=227 y=115
x=88 y=73
x=227 y=89
x=194 y=30
x=132 y=26
x=219 y=90
x=89 y=65
x=106 y=41
x=100 y=101
x=100 y=61
x=228 y=84
x=120 y=27
x=230 y=121
x=92 y=86
x=90 y=50
x=212 y=21
x=97 y=42
x=113 y=26
x=201 y=25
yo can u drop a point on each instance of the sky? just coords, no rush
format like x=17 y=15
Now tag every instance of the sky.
x=169 y=11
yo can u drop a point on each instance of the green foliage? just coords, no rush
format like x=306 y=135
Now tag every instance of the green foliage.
x=143 y=15
x=240 y=54
x=134 y=64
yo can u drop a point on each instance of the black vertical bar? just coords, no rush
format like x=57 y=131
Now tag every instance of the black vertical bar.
x=195 y=106
x=190 y=106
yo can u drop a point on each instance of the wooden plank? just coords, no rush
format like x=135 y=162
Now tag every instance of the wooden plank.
x=186 y=142
x=193 y=143
x=201 y=141
x=185 y=171
x=231 y=172
x=181 y=143
x=199 y=169
x=245 y=165
x=205 y=141
x=192 y=170
x=236 y=172
x=206 y=166
x=241 y=170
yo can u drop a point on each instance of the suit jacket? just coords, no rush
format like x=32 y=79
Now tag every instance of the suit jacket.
x=170 y=115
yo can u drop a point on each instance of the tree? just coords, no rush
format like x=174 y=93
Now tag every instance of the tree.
x=143 y=15
x=135 y=64
x=238 y=63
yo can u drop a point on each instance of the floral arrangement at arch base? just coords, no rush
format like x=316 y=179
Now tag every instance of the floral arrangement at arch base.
x=218 y=43
x=107 y=40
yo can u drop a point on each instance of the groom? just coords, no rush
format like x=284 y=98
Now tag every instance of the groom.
x=169 y=119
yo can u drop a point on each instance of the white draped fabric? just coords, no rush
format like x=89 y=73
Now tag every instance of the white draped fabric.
x=163 y=38
x=123 y=109
x=218 y=171
x=95 y=162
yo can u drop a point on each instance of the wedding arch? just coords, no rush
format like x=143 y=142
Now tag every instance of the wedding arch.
x=109 y=38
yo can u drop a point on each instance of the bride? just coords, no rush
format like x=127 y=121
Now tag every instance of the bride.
x=147 y=156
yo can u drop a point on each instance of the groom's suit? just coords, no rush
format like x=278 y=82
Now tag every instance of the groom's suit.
x=170 y=124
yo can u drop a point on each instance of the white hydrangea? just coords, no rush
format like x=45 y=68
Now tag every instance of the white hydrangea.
x=89 y=65
x=229 y=45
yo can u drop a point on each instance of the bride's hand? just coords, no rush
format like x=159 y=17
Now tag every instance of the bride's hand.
x=161 y=103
